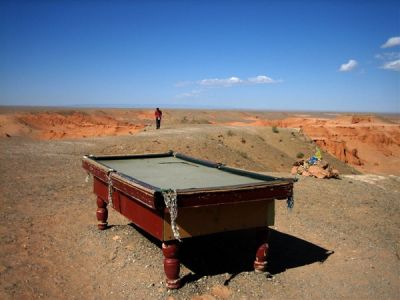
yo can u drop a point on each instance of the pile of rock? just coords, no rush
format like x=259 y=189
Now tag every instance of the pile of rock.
x=314 y=168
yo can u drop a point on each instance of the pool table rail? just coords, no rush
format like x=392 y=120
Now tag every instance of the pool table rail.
x=272 y=188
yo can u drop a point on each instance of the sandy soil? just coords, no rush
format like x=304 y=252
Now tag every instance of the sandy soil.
x=340 y=241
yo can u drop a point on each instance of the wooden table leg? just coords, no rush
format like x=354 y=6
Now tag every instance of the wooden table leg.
x=101 y=213
x=172 y=264
x=260 y=264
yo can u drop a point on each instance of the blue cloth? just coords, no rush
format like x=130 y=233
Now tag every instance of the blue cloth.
x=313 y=160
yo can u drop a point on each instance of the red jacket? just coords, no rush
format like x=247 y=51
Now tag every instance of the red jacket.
x=158 y=114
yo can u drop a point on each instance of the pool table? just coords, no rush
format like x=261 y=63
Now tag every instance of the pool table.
x=173 y=197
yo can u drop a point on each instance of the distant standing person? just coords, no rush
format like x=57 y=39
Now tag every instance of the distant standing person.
x=158 y=115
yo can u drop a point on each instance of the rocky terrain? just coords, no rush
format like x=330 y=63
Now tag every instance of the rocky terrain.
x=369 y=143
x=341 y=240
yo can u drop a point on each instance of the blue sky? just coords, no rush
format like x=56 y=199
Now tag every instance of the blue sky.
x=272 y=55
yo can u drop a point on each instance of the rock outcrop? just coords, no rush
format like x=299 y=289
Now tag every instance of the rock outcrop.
x=321 y=169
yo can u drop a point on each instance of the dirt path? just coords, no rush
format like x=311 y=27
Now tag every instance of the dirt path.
x=340 y=241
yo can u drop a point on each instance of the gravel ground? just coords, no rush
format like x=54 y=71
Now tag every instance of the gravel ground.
x=341 y=240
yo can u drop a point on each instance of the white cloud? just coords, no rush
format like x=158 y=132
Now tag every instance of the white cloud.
x=226 y=82
x=205 y=84
x=390 y=60
x=261 y=79
x=392 y=42
x=388 y=56
x=392 y=65
x=221 y=82
x=348 y=66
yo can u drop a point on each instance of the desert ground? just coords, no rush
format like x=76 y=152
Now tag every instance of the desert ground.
x=340 y=241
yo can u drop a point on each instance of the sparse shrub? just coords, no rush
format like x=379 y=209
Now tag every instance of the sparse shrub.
x=184 y=120
x=275 y=129
x=243 y=141
x=230 y=133
x=300 y=155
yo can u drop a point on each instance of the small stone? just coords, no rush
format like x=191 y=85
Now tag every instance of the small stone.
x=294 y=171
x=116 y=237
x=113 y=255
x=323 y=164
x=3 y=268
x=318 y=172
x=269 y=276
x=335 y=173
x=130 y=247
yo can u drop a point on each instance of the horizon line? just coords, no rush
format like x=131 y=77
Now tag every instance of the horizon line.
x=189 y=107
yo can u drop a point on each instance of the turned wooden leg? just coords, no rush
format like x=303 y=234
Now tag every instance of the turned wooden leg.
x=171 y=264
x=102 y=214
x=260 y=264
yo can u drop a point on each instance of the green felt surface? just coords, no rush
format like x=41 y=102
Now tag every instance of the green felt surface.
x=174 y=173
